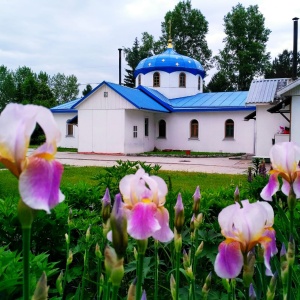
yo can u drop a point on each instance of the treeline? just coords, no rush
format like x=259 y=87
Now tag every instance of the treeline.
x=26 y=87
x=243 y=58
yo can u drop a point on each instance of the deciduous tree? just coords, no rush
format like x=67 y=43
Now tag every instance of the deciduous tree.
x=282 y=66
x=188 y=32
x=64 y=88
x=244 y=55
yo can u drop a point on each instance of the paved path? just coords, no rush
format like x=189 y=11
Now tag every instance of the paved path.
x=222 y=165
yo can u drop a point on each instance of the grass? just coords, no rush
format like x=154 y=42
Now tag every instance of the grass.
x=192 y=153
x=180 y=180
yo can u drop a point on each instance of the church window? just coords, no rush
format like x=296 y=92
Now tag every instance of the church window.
x=229 y=128
x=70 y=130
x=194 y=129
x=182 y=80
x=140 y=79
x=162 y=129
x=146 y=126
x=156 y=79
x=199 y=83
x=135 y=131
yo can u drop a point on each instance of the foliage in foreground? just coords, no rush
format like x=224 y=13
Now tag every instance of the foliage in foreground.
x=81 y=211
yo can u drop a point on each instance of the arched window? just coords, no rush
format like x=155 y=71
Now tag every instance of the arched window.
x=162 y=129
x=140 y=79
x=199 y=83
x=156 y=79
x=194 y=129
x=182 y=79
x=229 y=128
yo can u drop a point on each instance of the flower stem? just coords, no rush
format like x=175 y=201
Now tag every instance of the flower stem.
x=195 y=245
x=290 y=267
x=67 y=266
x=232 y=288
x=177 y=274
x=247 y=293
x=193 y=289
x=156 y=270
x=26 y=232
x=98 y=278
x=115 y=292
x=140 y=264
x=85 y=267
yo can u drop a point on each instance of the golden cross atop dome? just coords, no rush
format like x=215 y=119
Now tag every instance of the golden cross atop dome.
x=170 y=39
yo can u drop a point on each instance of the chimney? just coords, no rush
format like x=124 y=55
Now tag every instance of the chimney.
x=295 y=50
x=120 y=50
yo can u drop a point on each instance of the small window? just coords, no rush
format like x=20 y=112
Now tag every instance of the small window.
x=135 y=131
x=70 y=130
x=162 y=129
x=146 y=126
x=194 y=129
x=156 y=79
x=182 y=78
x=229 y=128
x=199 y=83
x=140 y=79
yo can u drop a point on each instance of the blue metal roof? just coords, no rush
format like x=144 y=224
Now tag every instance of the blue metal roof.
x=221 y=101
x=159 y=97
x=152 y=100
x=209 y=100
x=66 y=107
x=169 y=61
x=135 y=96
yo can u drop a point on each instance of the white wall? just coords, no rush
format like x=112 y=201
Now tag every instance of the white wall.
x=211 y=132
x=295 y=119
x=66 y=141
x=169 y=84
x=141 y=143
x=101 y=122
x=267 y=126
x=101 y=131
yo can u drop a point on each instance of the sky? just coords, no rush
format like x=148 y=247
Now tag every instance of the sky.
x=82 y=37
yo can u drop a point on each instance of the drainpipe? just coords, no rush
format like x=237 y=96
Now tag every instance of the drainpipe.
x=295 y=51
x=120 y=51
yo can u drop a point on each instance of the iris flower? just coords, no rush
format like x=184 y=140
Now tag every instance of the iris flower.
x=243 y=229
x=284 y=158
x=144 y=199
x=39 y=174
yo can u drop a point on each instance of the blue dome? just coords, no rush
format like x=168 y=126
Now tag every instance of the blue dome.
x=169 y=61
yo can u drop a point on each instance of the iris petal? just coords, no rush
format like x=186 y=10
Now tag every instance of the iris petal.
x=296 y=185
x=268 y=242
x=164 y=234
x=285 y=188
x=141 y=222
x=271 y=188
x=39 y=184
x=229 y=261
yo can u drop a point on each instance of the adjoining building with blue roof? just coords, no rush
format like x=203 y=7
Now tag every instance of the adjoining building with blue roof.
x=167 y=110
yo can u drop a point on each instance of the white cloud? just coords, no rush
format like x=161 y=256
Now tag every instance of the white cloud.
x=83 y=37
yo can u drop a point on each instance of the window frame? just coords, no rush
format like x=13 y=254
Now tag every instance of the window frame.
x=182 y=80
x=135 y=131
x=139 y=79
x=229 y=129
x=156 y=79
x=194 y=129
x=69 y=130
x=162 y=129
x=146 y=126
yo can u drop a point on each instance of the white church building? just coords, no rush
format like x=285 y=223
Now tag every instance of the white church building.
x=168 y=110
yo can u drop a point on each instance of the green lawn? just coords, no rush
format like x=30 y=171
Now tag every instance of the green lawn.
x=192 y=153
x=181 y=181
